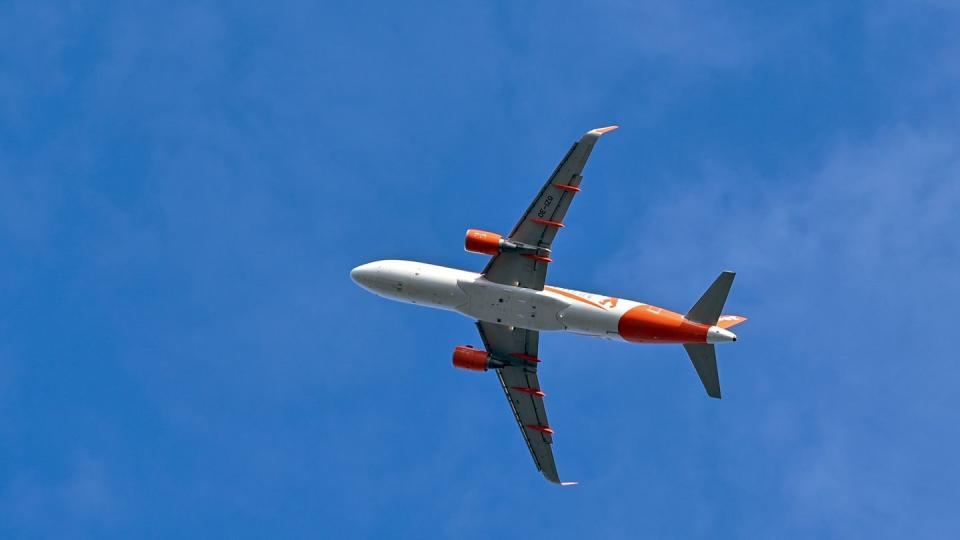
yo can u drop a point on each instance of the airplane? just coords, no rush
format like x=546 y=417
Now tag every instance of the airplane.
x=512 y=304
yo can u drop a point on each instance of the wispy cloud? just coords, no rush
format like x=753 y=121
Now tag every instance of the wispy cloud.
x=842 y=263
x=84 y=500
x=186 y=186
x=880 y=204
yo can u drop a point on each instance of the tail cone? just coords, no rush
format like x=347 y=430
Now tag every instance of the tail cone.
x=720 y=335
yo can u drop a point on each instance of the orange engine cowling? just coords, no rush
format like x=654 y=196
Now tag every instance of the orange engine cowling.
x=470 y=358
x=478 y=241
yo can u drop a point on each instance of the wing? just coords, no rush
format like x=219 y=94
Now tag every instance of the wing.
x=543 y=218
x=522 y=389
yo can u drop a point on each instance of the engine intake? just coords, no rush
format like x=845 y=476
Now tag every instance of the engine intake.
x=478 y=241
x=465 y=357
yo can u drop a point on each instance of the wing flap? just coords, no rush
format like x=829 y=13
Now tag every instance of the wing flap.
x=528 y=410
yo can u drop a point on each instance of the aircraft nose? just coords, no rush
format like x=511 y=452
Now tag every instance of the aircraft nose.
x=364 y=275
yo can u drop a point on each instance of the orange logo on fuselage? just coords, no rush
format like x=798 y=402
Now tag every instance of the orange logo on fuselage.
x=573 y=296
x=611 y=301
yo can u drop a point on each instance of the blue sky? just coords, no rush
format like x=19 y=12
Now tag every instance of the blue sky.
x=186 y=185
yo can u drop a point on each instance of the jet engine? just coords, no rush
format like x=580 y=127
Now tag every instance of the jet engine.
x=478 y=241
x=489 y=243
x=466 y=357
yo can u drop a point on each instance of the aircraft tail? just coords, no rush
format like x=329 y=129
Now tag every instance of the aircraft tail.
x=708 y=310
x=704 y=358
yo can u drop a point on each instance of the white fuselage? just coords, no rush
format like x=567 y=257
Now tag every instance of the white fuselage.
x=472 y=295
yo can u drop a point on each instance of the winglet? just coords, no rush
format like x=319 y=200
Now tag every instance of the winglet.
x=601 y=131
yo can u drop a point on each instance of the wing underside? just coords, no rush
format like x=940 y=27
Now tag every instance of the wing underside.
x=544 y=217
x=522 y=389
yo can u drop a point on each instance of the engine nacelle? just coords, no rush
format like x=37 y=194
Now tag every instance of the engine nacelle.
x=478 y=241
x=474 y=359
x=489 y=243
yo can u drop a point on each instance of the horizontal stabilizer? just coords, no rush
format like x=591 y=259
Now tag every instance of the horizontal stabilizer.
x=707 y=309
x=704 y=358
x=729 y=321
